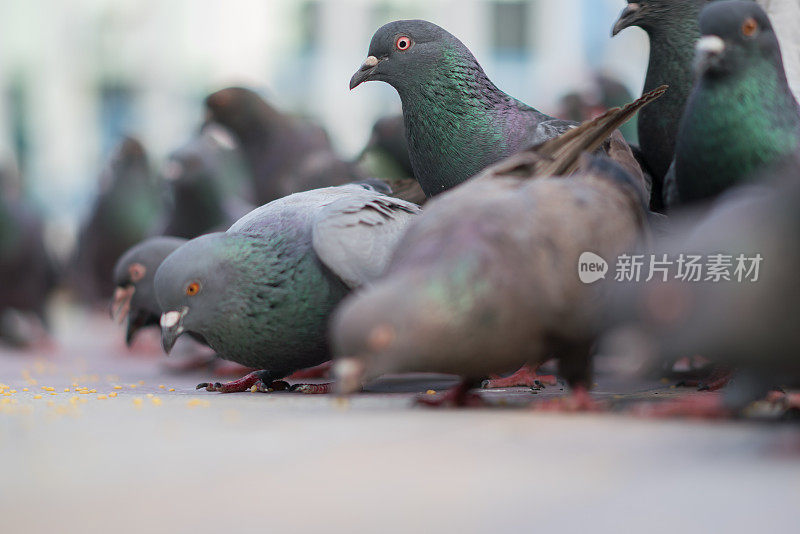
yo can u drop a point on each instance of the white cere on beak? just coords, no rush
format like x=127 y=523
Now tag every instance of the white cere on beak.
x=170 y=319
x=347 y=368
x=710 y=44
x=370 y=62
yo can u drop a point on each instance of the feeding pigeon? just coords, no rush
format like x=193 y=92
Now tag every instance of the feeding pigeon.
x=260 y=294
x=738 y=307
x=134 y=273
x=741 y=116
x=486 y=280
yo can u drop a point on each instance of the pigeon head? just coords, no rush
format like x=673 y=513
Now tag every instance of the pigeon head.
x=735 y=34
x=192 y=286
x=240 y=110
x=373 y=334
x=134 y=296
x=656 y=15
x=408 y=321
x=406 y=51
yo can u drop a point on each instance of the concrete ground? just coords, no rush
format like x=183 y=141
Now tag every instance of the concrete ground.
x=132 y=456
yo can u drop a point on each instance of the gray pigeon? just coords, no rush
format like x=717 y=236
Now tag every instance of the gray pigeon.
x=746 y=318
x=134 y=273
x=125 y=211
x=457 y=121
x=487 y=280
x=27 y=271
x=284 y=154
x=741 y=116
x=208 y=185
x=673 y=29
x=260 y=294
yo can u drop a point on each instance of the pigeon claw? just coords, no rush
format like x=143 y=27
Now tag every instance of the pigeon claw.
x=256 y=378
x=312 y=389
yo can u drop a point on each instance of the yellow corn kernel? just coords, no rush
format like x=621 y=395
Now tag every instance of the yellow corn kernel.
x=161 y=386
x=156 y=401
x=101 y=397
x=92 y=391
x=133 y=386
x=117 y=387
x=171 y=389
x=24 y=389
x=150 y=395
x=431 y=392
x=66 y=390
x=112 y=394
x=137 y=401
x=13 y=391
x=37 y=396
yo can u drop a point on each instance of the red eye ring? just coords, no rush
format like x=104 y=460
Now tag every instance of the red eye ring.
x=403 y=43
x=193 y=289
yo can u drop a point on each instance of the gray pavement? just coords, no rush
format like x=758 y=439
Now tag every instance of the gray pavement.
x=153 y=460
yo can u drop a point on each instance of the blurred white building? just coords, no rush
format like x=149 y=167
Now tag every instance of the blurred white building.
x=75 y=75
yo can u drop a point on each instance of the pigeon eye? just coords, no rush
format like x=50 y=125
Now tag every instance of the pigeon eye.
x=137 y=272
x=749 y=27
x=193 y=289
x=403 y=43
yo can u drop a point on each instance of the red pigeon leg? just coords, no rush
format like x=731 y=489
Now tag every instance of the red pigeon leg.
x=525 y=377
x=260 y=379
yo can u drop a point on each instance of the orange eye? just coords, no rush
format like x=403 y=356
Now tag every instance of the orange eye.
x=403 y=43
x=749 y=27
x=193 y=289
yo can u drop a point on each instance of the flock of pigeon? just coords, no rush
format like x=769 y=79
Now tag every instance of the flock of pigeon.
x=462 y=250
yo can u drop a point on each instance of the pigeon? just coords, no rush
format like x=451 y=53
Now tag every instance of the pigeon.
x=284 y=155
x=261 y=293
x=745 y=319
x=457 y=121
x=134 y=294
x=125 y=212
x=27 y=272
x=741 y=116
x=486 y=280
x=673 y=29
x=208 y=185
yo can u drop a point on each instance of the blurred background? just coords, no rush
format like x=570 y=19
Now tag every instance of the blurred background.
x=78 y=75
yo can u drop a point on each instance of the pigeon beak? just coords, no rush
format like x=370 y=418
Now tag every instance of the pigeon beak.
x=708 y=50
x=135 y=322
x=349 y=373
x=172 y=327
x=628 y=17
x=364 y=72
x=121 y=303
